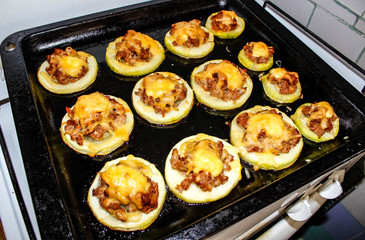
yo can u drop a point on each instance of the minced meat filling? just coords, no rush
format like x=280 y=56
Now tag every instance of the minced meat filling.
x=92 y=126
x=203 y=179
x=148 y=200
x=168 y=101
x=188 y=34
x=318 y=122
x=248 y=49
x=56 y=70
x=224 y=21
x=132 y=49
x=287 y=82
x=264 y=142
x=216 y=83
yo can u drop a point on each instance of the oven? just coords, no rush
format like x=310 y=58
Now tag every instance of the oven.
x=38 y=195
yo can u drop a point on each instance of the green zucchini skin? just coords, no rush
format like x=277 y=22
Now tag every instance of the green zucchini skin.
x=301 y=121
x=273 y=92
x=229 y=34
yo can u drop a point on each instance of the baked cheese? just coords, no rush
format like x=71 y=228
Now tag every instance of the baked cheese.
x=125 y=180
x=203 y=155
x=72 y=65
x=260 y=49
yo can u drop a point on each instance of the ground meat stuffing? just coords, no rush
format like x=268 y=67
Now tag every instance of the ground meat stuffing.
x=131 y=49
x=168 y=101
x=318 y=122
x=260 y=59
x=148 y=200
x=188 y=34
x=56 y=71
x=287 y=83
x=204 y=180
x=224 y=21
x=264 y=142
x=91 y=127
x=216 y=83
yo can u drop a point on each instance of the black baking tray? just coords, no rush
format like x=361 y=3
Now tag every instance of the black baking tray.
x=59 y=178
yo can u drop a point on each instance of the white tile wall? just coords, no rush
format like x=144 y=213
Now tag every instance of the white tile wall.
x=357 y=6
x=337 y=34
x=301 y=12
x=341 y=23
x=360 y=25
x=337 y=10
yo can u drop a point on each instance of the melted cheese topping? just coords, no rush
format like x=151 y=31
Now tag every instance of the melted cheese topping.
x=136 y=41
x=182 y=31
x=72 y=65
x=233 y=75
x=87 y=105
x=277 y=73
x=324 y=110
x=158 y=85
x=203 y=156
x=227 y=17
x=260 y=49
x=125 y=180
x=272 y=125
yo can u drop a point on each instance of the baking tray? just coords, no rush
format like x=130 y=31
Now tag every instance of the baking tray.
x=59 y=178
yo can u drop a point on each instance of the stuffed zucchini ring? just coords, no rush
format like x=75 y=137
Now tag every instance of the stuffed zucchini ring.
x=189 y=39
x=202 y=168
x=256 y=56
x=67 y=71
x=134 y=54
x=281 y=85
x=221 y=85
x=162 y=98
x=266 y=138
x=317 y=121
x=225 y=24
x=127 y=194
x=97 y=124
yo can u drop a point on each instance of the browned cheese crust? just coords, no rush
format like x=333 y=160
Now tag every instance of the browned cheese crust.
x=320 y=120
x=286 y=81
x=132 y=49
x=167 y=101
x=204 y=180
x=196 y=34
x=224 y=21
x=216 y=82
x=249 y=49
x=91 y=125
x=58 y=73
x=262 y=142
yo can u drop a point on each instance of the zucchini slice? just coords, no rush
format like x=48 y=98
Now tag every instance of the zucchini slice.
x=54 y=86
x=230 y=70
x=140 y=67
x=273 y=91
x=111 y=140
x=194 y=194
x=265 y=160
x=174 y=115
x=301 y=121
x=226 y=34
x=248 y=63
x=190 y=52
x=145 y=219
